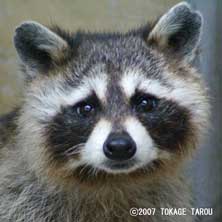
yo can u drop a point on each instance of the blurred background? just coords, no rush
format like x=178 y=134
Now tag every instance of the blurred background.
x=118 y=15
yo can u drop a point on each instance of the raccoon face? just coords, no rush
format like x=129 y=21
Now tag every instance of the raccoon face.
x=111 y=103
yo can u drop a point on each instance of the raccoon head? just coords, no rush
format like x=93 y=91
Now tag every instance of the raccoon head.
x=111 y=104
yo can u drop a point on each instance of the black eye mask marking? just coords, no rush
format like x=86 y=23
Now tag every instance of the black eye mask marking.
x=87 y=108
x=143 y=102
x=167 y=123
x=69 y=129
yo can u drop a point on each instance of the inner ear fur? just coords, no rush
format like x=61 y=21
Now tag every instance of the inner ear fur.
x=177 y=32
x=38 y=47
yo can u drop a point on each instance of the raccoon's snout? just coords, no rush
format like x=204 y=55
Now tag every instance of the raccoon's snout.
x=119 y=147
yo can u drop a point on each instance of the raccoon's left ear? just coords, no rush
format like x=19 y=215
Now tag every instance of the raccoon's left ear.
x=39 y=48
x=178 y=32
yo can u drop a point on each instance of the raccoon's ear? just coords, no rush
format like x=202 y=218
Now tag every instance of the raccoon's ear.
x=39 y=48
x=178 y=32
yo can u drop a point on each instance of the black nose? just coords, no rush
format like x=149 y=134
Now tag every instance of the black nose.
x=119 y=147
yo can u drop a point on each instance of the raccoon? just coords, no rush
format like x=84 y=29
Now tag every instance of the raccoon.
x=106 y=123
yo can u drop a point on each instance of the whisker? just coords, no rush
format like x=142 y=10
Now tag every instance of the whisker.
x=74 y=149
x=83 y=168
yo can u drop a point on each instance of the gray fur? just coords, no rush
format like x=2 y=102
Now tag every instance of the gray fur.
x=66 y=68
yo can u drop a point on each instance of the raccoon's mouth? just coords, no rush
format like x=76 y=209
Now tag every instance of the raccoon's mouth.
x=119 y=166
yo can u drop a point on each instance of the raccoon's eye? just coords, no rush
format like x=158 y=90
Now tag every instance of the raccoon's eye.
x=85 y=110
x=144 y=103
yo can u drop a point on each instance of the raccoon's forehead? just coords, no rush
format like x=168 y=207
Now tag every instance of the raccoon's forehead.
x=119 y=54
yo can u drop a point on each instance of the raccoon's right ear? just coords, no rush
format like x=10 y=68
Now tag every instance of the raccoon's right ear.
x=39 y=48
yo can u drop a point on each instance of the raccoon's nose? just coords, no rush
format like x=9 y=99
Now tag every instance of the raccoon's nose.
x=119 y=147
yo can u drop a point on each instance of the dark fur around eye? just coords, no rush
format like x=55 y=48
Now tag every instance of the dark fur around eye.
x=87 y=108
x=67 y=129
x=168 y=124
x=144 y=103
